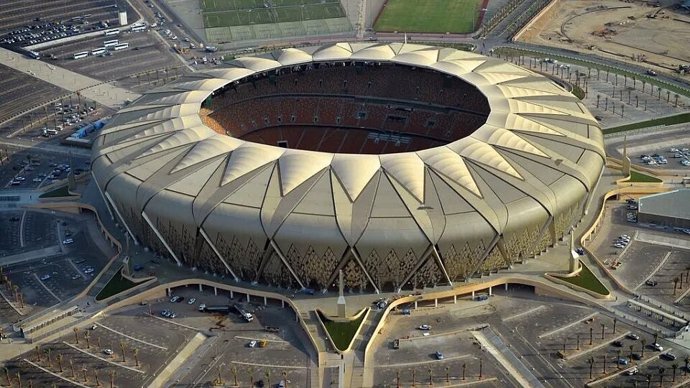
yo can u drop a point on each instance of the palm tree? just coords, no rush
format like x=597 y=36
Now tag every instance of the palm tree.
x=603 y=327
x=112 y=378
x=122 y=347
x=480 y=368
x=86 y=378
x=590 y=361
x=649 y=380
x=87 y=336
x=7 y=375
x=136 y=357
x=578 y=342
x=591 y=337
x=71 y=366
x=644 y=344
x=661 y=376
x=464 y=367
x=447 y=376
x=675 y=284
x=268 y=376
x=656 y=336
x=76 y=335
x=234 y=374
x=414 y=371
x=431 y=377
x=38 y=353
x=95 y=376
x=615 y=320
x=251 y=377
x=604 y=364
x=59 y=360
x=687 y=361
x=631 y=351
x=674 y=367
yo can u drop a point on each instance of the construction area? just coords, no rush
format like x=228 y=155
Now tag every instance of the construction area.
x=632 y=31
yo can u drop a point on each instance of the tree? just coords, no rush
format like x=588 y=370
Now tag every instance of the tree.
x=136 y=357
x=71 y=366
x=59 y=361
x=464 y=367
x=631 y=352
x=76 y=335
x=480 y=368
x=675 y=285
x=661 y=376
x=431 y=377
x=590 y=361
x=112 y=378
x=615 y=320
x=687 y=361
x=604 y=364
x=591 y=336
x=618 y=358
x=649 y=380
x=447 y=376
x=656 y=336
x=674 y=367
x=87 y=336
x=603 y=327
x=233 y=370
x=644 y=344
x=86 y=378
x=122 y=347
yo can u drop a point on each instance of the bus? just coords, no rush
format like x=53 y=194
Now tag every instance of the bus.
x=111 y=43
x=81 y=55
x=139 y=28
x=98 y=51
x=121 y=46
x=112 y=32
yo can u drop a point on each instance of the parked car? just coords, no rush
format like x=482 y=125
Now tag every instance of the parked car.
x=252 y=344
x=633 y=336
x=191 y=301
x=657 y=347
x=108 y=352
x=439 y=355
x=424 y=327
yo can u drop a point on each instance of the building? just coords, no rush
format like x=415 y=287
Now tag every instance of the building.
x=404 y=165
x=668 y=209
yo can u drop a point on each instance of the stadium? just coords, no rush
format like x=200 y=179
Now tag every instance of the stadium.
x=404 y=166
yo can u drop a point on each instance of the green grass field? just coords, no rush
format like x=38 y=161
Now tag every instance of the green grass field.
x=230 y=13
x=437 y=16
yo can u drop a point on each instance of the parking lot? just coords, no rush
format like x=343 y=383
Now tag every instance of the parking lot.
x=32 y=173
x=286 y=351
x=145 y=53
x=19 y=91
x=47 y=279
x=17 y=14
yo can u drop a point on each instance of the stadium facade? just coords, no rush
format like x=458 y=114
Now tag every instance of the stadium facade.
x=500 y=194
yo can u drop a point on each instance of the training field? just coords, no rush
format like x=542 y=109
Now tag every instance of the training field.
x=438 y=16
x=229 y=13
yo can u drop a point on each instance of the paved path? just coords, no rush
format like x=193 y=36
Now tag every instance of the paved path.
x=93 y=89
x=31 y=255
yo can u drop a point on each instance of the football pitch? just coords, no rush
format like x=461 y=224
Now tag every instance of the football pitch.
x=229 y=13
x=433 y=16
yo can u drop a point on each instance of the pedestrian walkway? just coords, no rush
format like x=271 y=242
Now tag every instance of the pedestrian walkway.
x=93 y=89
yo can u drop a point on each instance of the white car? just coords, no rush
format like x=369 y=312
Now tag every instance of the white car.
x=252 y=344
x=424 y=327
x=657 y=347
x=191 y=301
x=45 y=277
x=108 y=352
x=67 y=241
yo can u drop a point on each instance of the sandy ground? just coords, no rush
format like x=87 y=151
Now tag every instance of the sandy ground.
x=618 y=29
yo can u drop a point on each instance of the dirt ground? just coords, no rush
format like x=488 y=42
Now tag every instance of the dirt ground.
x=619 y=29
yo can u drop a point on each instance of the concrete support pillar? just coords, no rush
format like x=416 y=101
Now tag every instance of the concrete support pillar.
x=215 y=291
x=201 y=288
x=248 y=298
x=472 y=295
x=435 y=302
x=415 y=305
x=167 y=292
x=265 y=301
x=490 y=291
x=232 y=295
x=455 y=299
x=506 y=286
x=282 y=303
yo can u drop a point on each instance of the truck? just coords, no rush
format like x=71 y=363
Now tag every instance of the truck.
x=243 y=313
x=223 y=308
